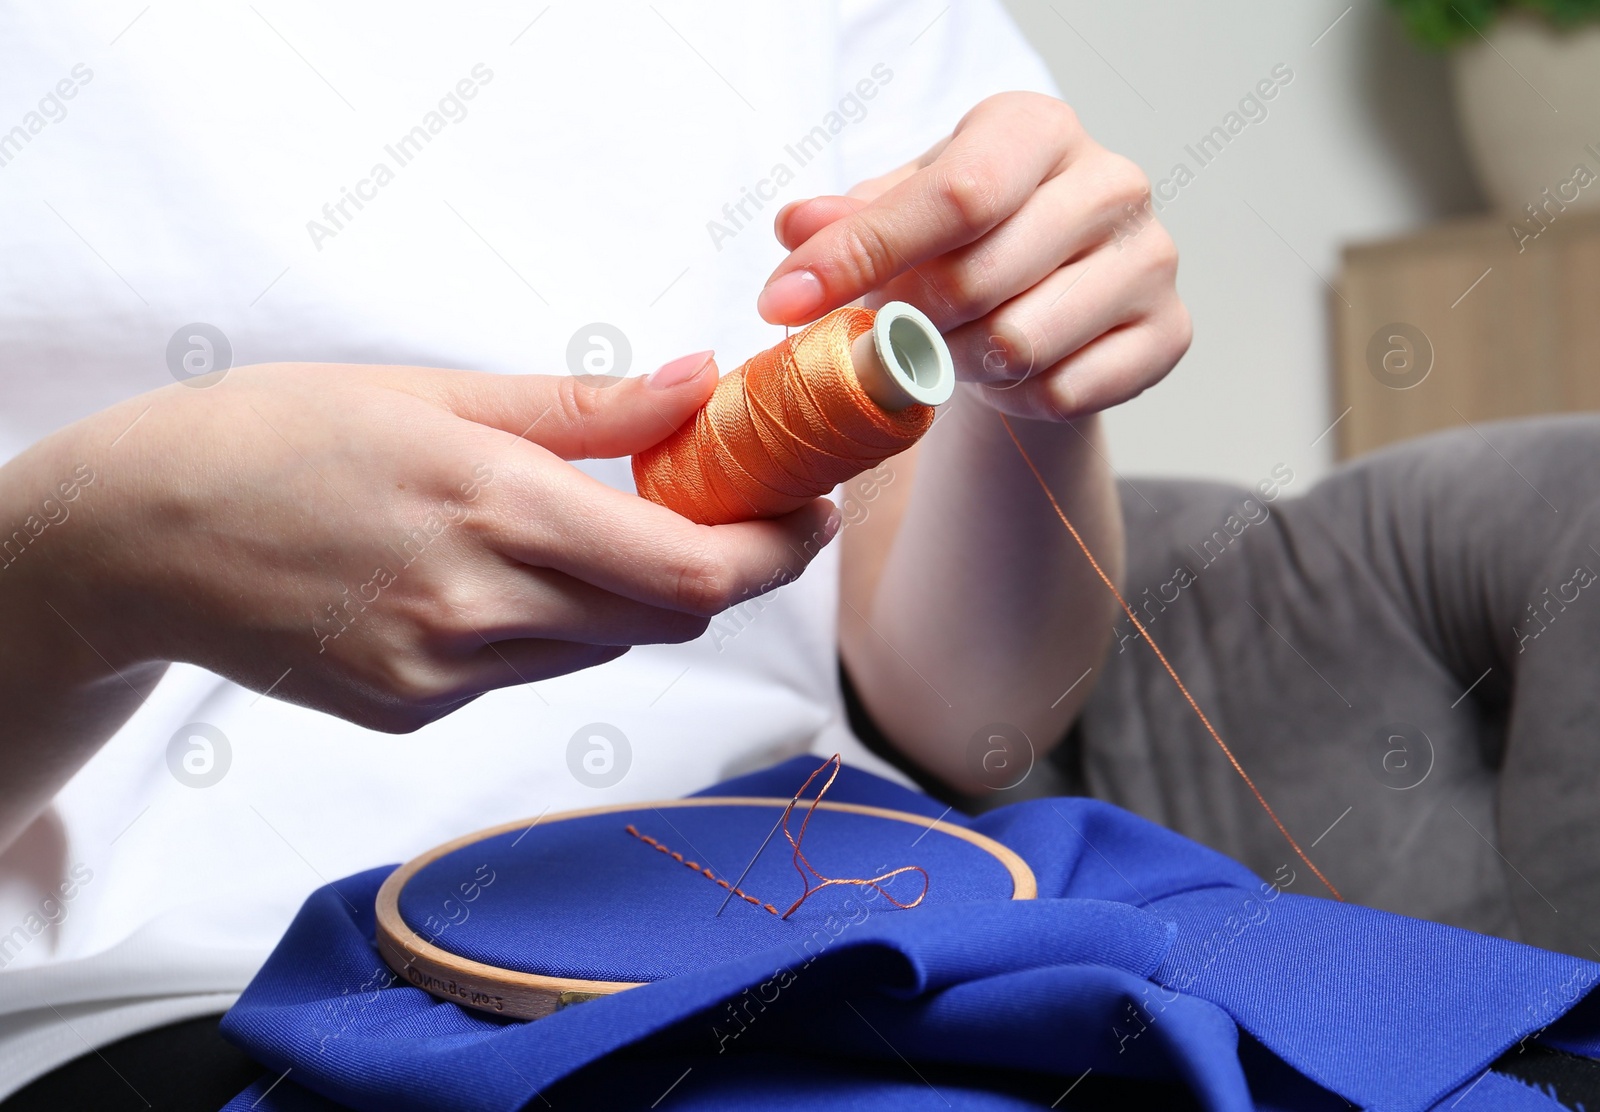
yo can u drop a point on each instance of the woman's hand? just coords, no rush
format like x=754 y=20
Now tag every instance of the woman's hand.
x=968 y=611
x=385 y=543
x=1032 y=247
x=380 y=543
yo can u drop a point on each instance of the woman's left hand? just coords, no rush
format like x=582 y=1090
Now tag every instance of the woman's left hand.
x=1033 y=248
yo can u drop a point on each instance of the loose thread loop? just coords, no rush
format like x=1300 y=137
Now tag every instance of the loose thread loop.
x=803 y=866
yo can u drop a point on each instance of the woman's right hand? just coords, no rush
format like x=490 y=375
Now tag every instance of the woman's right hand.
x=380 y=543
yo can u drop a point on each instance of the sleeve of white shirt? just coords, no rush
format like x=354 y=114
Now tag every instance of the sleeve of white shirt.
x=940 y=59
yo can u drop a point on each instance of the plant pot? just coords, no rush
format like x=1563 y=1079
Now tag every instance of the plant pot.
x=1528 y=99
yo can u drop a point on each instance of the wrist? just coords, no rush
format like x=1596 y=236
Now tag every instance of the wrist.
x=63 y=687
x=50 y=599
x=60 y=699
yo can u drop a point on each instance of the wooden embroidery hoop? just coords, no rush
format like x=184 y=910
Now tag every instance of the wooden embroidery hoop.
x=517 y=995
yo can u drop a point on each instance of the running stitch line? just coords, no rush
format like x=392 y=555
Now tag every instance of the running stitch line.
x=697 y=867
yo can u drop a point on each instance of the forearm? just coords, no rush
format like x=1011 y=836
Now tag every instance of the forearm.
x=60 y=699
x=967 y=602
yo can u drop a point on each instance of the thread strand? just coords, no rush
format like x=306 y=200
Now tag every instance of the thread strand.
x=803 y=866
x=798 y=858
x=1165 y=663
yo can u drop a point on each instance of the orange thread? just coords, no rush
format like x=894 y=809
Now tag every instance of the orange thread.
x=653 y=844
x=786 y=427
x=803 y=866
x=1171 y=671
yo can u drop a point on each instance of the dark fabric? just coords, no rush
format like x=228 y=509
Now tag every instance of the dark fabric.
x=1148 y=959
x=184 y=1067
x=1570 y=1079
x=1333 y=634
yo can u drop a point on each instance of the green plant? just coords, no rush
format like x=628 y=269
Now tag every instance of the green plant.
x=1442 y=23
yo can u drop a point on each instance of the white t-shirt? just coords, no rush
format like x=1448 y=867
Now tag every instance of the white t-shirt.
x=520 y=172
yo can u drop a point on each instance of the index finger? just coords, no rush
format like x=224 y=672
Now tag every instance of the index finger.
x=993 y=162
x=557 y=517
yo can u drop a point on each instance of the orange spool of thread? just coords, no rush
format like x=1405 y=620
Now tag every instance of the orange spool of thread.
x=840 y=396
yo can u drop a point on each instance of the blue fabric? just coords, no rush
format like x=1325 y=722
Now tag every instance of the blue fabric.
x=1151 y=972
x=525 y=900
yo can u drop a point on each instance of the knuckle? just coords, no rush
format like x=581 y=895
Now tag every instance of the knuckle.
x=1050 y=115
x=439 y=611
x=576 y=403
x=994 y=103
x=1179 y=335
x=703 y=585
x=452 y=608
x=999 y=104
x=867 y=261
x=1127 y=182
x=974 y=193
x=1057 y=400
x=1163 y=253
x=475 y=501
x=1014 y=346
x=1024 y=100
x=1064 y=115
x=973 y=286
x=510 y=508
x=404 y=686
x=489 y=523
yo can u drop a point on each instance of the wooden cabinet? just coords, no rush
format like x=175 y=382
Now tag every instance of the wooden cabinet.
x=1504 y=322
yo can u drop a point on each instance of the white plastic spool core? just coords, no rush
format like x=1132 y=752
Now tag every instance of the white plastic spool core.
x=902 y=360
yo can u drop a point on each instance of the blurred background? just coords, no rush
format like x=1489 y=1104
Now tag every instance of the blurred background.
x=1387 y=176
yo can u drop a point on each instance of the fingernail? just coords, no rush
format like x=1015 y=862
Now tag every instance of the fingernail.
x=795 y=296
x=679 y=371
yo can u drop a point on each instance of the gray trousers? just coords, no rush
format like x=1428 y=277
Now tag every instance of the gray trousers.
x=1404 y=658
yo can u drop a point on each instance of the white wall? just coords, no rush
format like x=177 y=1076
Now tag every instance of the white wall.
x=1360 y=144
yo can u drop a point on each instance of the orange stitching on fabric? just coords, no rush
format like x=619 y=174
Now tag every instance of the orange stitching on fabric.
x=653 y=844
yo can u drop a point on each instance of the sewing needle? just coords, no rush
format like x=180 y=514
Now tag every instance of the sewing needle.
x=759 y=852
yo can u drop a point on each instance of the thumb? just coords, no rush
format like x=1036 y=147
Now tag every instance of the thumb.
x=592 y=416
